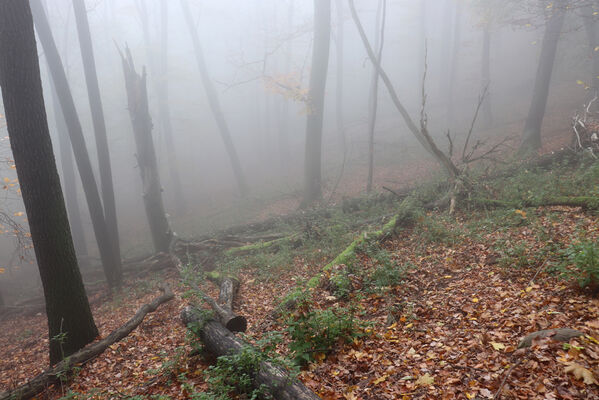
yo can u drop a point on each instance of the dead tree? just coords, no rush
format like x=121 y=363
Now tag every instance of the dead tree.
x=146 y=155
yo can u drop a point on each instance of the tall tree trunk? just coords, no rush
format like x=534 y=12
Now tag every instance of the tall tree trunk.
x=446 y=45
x=531 y=136
x=214 y=101
x=423 y=39
x=70 y=322
x=453 y=69
x=340 y=47
x=109 y=257
x=421 y=134
x=165 y=114
x=486 y=110
x=590 y=26
x=373 y=102
x=69 y=177
x=146 y=155
x=318 y=81
x=97 y=111
x=159 y=78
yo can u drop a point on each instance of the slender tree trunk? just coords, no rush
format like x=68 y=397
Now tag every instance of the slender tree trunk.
x=373 y=103
x=453 y=70
x=486 y=110
x=590 y=26
x=340 y=75
x=531 y=137
x=421 y=134
x=94 y=203
x=215 y=102
x=159 y=78
x=146 y=155
x=318 y=81
x=423 y=39
x=70 y=322
x=165 y=114
x=283 y=118
x=446 y=38
x=97 y=111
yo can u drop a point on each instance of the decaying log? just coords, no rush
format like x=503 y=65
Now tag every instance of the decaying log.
x=559 y=335
x=219 y=341
x=228 y=289
x=52 y=375
x=226 y=316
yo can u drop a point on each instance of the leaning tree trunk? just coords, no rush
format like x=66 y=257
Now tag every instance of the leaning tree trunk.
x=214 y=101
x=97 y=111
x=67 y=306
x=373 y=103
x=421 y=134
x=110 y=261
x=531 y=136
x=69 y=179
x=146 y=154
x=318 y=81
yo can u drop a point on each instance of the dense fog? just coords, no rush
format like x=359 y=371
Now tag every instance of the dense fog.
x=258 y=56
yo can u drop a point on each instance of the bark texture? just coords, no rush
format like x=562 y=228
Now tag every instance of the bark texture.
x=146 y=154
x=220 y=342
x=110 y=261
x=531 y=136
x=67 y=306
x=97 y=111
x=318 y=81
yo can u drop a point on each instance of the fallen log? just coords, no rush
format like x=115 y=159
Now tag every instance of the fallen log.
x=219 y=341
x=558 y=335
x=226 y=316
x=54 y=374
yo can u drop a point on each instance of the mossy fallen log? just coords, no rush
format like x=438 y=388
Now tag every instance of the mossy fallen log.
x=219 y=341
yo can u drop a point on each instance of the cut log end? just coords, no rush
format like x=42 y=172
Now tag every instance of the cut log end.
x=237 y=324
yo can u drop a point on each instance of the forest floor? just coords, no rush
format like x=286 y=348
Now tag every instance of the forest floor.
x=436 y=311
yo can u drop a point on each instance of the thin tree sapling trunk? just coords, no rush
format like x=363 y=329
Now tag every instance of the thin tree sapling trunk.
x=214 y=101
x=373 y=103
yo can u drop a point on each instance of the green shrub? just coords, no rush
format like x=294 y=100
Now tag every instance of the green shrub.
x=318 y=331
x=583 y=259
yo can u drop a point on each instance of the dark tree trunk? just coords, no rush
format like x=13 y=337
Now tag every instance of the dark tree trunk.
x=318 y=81
x=67 y=306
x=109 y=258
x=69 y=179
x=531 y=136
x=486 y=109
x=214 y=101
x=97 y=111
x=146 y=154
x=373 y=103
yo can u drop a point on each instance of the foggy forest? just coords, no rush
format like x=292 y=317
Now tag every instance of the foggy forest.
x=294 y=199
